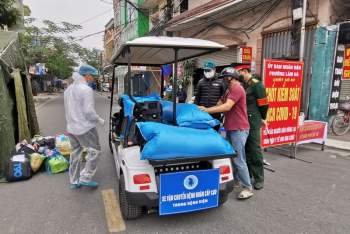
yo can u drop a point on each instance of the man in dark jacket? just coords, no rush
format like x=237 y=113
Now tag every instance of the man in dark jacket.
x=209 y=89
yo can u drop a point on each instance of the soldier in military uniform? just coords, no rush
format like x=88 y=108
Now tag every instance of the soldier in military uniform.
x=257 y=107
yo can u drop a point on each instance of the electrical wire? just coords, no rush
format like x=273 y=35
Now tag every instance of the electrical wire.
x=95 y=16
x=107 y=2
x=214 y=20
x=159 y=25
x=244 y=30
x=89 y=35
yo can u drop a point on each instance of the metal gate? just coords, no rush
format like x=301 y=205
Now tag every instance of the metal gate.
x=277 y=44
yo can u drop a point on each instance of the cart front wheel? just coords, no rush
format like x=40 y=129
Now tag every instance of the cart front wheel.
x=110 y=141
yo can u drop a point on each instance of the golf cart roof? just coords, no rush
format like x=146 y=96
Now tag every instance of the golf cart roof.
x=156 y=51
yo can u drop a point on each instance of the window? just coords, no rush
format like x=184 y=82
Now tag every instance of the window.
x=183 y=6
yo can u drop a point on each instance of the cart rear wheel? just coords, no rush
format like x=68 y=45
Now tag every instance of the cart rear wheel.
x=128 y=210
x=223 y=198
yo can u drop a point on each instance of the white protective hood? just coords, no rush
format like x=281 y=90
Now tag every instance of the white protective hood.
x=79 y=106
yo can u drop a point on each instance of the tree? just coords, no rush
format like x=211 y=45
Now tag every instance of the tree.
x=8 y=13
x=89 y=56
x=26 y=10
x=54 y=45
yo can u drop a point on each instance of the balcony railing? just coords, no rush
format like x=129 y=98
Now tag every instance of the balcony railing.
x=148 y=4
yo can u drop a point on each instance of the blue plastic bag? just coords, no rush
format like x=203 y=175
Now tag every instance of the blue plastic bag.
x=188 y=115
x=172 y=142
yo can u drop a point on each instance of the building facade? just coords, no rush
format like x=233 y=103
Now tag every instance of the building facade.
x=253 y=30
x=268 y=28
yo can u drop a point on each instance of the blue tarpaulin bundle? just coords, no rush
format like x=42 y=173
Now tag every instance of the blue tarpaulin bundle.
x=166 y=142
x=188 y=115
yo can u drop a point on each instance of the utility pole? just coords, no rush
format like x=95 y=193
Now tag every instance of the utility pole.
x=302 y=36
x=168 y=14
x=296 y=27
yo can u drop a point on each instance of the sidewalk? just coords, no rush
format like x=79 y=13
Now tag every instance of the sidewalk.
x=339 y=142
x=104 y=94
x=43 y=97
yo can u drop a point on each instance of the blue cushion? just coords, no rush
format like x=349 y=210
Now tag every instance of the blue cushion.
x=166 y=142
x=188 y=115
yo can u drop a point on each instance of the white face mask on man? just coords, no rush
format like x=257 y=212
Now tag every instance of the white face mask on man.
x=209 y=74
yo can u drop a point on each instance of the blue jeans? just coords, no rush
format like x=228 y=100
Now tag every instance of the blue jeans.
x=238 y=139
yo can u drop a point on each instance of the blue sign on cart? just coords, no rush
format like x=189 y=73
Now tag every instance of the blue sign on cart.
x=182 y=192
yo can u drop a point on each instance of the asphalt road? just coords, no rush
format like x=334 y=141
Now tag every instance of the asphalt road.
x=298 y=198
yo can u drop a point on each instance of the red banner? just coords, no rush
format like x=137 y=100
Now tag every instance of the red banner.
x=346 y=64
x=312 y=131
x=283 y=82
x=245 y=54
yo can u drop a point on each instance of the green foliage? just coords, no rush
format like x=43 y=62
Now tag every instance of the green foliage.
x=185 y=79
x=59 y=65
x=26 y=10
x=89 y=56
x=54 y=45
x=8 y=14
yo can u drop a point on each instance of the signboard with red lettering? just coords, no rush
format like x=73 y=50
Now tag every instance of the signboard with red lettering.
x=312 y=131
x=346 y=64
x=245 y=54
x=283 y=82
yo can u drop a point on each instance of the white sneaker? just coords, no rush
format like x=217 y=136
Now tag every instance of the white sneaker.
x=245 y=194
x=266 y=162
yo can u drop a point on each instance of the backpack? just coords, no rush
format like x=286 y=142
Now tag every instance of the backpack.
x=25 y=149
x=18 y=168
x=44 y=141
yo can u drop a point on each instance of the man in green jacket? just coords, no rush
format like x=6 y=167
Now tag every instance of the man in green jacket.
x=257 y=107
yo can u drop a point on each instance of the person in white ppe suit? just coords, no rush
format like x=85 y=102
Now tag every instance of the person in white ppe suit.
x=81 y=120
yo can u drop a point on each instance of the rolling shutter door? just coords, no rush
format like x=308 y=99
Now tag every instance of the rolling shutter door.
x=344 y=90
x=221 y=58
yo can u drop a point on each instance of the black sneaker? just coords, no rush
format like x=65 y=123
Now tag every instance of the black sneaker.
x=258 y=185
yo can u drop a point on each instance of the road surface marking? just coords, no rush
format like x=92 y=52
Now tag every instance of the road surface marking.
x=114 y=217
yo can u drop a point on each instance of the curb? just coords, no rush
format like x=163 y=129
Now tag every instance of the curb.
x=342 y=145
x=39 y=106
x=103 y=95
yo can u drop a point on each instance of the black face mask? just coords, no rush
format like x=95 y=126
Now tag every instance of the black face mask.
x=241 y=78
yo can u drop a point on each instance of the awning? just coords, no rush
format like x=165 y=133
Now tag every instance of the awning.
x=155 y=51
x=210 y=12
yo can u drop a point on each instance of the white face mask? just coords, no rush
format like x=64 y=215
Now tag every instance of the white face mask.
x=209 y=74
